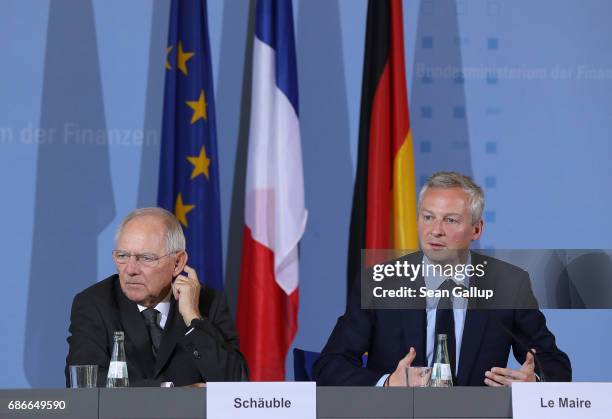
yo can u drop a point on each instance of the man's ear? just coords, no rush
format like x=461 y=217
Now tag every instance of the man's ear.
x=179 y=263
x=478 y=227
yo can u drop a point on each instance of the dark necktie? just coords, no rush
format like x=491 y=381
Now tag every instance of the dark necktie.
x=155 y=332
x=445 y=323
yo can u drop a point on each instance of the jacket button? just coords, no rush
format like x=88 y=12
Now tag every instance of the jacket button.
x=196 y=354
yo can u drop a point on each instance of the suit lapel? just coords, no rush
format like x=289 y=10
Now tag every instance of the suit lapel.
x=414 y=325
x=473 y=329
x=473 y=332
x=414 y=320
x=174 y=330
x=136 y=332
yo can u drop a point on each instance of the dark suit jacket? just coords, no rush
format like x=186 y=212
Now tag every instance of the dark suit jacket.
x=208 y=353
x=387 y=335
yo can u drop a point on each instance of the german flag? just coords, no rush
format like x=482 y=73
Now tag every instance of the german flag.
x=384 y=198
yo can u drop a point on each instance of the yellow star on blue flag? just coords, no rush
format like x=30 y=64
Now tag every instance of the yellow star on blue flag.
x=189 y=140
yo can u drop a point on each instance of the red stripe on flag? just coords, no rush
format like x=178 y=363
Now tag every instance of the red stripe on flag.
x=267 y=317
x=399 y=108
x=380 y=168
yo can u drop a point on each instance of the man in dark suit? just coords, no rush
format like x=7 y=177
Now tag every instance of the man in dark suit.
x=449 y=219
x=175 y=329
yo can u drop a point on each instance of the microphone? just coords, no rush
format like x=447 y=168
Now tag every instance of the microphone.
x=521 y=344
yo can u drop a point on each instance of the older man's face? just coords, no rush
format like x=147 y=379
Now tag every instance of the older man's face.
x=445 y=224
x=142 y=284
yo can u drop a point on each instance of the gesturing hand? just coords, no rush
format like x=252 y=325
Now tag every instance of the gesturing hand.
x=186 y=290
x=504 y=377
x=398 y=378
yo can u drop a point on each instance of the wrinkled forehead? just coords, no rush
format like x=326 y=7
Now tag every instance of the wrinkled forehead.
x=142 y=234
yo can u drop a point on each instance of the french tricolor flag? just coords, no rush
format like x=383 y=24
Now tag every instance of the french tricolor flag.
x=275 y=216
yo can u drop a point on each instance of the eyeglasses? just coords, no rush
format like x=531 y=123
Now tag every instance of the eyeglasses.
x=144 y=259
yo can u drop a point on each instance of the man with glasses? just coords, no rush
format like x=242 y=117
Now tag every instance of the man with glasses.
x=175 y=329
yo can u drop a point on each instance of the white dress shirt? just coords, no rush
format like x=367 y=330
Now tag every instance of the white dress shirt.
x=163 y=307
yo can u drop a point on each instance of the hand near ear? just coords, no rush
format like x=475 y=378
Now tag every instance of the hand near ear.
x=186 y=290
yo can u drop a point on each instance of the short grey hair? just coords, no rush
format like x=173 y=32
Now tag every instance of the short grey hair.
x=175 y=239
x=457 y=180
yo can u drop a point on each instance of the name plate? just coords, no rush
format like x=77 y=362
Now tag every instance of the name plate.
x=561 y=400
x=261 y=400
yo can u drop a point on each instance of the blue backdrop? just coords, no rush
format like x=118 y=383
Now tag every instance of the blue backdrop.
x=514 y=93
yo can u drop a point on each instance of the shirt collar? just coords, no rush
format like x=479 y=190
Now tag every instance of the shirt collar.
x=433 y=281
x=163 y=306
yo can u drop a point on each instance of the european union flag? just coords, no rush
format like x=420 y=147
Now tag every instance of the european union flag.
x=189 y=171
